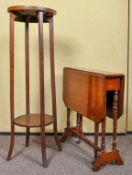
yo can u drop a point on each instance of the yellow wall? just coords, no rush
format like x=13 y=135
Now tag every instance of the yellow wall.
x=88 y=33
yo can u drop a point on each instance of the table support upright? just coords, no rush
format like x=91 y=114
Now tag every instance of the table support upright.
x=12 y=18
x=53 y=87
x=27 y=77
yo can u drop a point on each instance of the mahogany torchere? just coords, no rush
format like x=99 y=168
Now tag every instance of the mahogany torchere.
x=40 y=15
x=94 y=95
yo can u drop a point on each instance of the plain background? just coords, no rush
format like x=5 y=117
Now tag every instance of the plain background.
x=88 y=33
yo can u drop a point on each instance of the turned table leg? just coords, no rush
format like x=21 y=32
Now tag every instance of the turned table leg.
x=79 y=124
x=115 y=115
x=79 y=121
x=114 y=155
x=68 y=130
x=68 y=118
x=103 y=135
x=96 y=130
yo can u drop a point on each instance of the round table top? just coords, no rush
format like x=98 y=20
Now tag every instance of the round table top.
x=22 y=12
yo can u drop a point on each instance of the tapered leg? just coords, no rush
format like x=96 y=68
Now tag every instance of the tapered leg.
x=11 y=144
x=42 y=99
x=53 y=88
x=27 y=77
x=96 y=139
x=27 y=136
x=12 y=18
x=56 y=136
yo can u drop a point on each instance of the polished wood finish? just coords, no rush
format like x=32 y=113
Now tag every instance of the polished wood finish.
x=22 y=12
x=41 y=81
x=12 y=17
x=88 y=92
x=53 y=87
x=115 y=109
x=33 y=120
x=28 y=120
x=109 y=158
x=27 y=76
x=94 y=95
x=77 y=96
x=96 y=131
x=68 y=117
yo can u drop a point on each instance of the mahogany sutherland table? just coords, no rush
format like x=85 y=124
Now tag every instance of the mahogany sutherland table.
x=40 y=15
x=94 y=95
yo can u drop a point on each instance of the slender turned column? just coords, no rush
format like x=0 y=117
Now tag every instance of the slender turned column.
x=103 y=135
x=96 y=130
x=27 y=76
x=53 y=87
x=103 y=124
x=12 y=18
x=115 y=115
x=68 y=117
x=79 y=125
x=41 y=79
x=79 y=121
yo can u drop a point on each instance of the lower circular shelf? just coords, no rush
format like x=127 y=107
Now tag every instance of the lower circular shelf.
x=32 y=120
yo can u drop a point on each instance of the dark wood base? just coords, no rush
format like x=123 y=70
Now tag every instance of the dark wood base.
x=107 y=158
x=67 y=133
x=104 y=157
x=76 y=131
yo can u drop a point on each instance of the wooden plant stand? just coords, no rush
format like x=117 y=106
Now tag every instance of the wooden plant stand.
x=40 y=15
x=94 y=95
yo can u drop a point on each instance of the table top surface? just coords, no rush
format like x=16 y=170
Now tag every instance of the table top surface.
x=22 y=12
x=93 y=71
x=91 y=92
x=30 y=8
